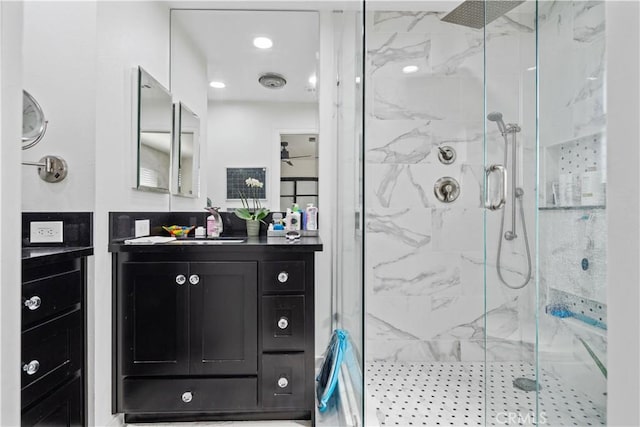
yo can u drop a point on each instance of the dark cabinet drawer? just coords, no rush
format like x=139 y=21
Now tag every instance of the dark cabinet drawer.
x=49 y=296
x=51 y=353
x=283 y=381
x=283 y=323
x=282 y=276
x=189 y=395
x=63 y=407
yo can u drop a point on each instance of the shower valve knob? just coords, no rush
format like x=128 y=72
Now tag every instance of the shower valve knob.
x=446 y=155
x=446 y=189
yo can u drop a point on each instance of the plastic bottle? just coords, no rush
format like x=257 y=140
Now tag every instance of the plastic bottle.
x=312 y=217
x=295 y=220
x=214 y=223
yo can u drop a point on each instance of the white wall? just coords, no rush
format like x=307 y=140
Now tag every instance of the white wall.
x=245 y=134
x=60 y=72
x=10 y=195
x=189 y=85
x=623 y=134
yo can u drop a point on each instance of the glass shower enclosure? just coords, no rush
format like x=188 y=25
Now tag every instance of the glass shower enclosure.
x=472 y=232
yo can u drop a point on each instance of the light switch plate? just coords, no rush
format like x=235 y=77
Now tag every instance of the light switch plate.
x=142 y=227
x=46 y=232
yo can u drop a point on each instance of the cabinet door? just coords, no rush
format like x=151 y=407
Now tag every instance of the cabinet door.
x=224 y=321
x=154 y=332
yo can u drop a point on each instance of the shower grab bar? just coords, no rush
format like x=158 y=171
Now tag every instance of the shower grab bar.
x=503 y=188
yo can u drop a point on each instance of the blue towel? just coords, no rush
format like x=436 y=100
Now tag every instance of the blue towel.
x=328 y=377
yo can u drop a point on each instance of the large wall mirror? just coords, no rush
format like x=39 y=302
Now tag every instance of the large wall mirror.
x=155 y=127
x=187 y=128
x=262 y=69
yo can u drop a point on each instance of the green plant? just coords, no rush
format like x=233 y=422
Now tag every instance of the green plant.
x=253 y=211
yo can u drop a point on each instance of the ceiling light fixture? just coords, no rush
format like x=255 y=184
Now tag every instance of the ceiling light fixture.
x=313 y=80
x=262 y=42
x=410 y=69
x=217 y=85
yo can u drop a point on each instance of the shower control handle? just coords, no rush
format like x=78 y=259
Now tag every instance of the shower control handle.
x=503 y=187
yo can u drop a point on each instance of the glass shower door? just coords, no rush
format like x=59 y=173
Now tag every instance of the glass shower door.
x=511 y=288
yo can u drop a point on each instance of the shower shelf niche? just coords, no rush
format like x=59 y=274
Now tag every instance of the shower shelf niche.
x=567 y=167
x=570 y=208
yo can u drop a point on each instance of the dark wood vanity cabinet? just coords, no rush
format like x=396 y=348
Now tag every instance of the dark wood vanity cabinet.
x=53 y=341
x=225 y=334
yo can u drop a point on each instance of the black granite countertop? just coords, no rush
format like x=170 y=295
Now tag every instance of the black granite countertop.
x=41 y=254
x=304 y=244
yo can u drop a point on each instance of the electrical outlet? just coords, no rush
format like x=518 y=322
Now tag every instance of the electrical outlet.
x=46 y=232
x=142 y=227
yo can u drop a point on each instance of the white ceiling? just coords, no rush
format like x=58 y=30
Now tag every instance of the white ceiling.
x=225 y=38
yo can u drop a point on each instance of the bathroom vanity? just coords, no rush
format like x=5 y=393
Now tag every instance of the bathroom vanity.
x=53 y=348
x=220 y=330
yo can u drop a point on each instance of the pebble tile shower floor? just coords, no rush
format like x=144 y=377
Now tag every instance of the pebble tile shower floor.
x=452 y=394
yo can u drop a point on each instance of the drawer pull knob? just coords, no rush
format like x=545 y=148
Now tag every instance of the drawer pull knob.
x=180 y=279
x=283 y=323
x=283 y=382
x=33 y=303
x=187 y=397
x=283 y=276
x=32 y=367
x=194 y=279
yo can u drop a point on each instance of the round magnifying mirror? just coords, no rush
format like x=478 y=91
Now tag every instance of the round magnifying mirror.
x=34 y=123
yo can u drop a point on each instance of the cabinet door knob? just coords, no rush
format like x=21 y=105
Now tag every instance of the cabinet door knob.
x=283 y=323
x=187 y=397
x=194 y=279
x=31 y=367
x=180 y=279
x=283 y=276
x=33 y=303
x=283 y=382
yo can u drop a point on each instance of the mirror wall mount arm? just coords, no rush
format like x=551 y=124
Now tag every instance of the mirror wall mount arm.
x=50 y=168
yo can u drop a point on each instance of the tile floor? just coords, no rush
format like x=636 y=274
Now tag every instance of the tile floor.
x=453 y=394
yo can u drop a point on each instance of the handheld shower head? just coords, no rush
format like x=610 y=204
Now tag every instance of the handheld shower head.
x=497 y=117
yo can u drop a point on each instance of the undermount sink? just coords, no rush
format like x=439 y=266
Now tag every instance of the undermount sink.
x=205 y=241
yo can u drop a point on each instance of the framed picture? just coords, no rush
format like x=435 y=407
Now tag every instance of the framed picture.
x=236 y=178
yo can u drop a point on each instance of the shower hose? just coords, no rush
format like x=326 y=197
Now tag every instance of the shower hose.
x=519 y=194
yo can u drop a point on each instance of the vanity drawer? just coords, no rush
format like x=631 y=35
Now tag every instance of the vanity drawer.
x=49 y=296
x=282 y=276
x=63 y=407
x=283 y=381
x=283 y=323
x=189 y=395
x=51 y=353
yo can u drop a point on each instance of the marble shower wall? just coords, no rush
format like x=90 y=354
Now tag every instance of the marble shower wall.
x=425 y=259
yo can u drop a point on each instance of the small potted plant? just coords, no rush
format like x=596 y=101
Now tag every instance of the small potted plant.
x=253 y=213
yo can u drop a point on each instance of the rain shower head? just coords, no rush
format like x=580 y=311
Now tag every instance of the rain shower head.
x=497 y=117
x=476 y=13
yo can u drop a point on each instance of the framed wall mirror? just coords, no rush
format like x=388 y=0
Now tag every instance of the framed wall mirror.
x=155 y=130
x=259 y=70
x=187 y=143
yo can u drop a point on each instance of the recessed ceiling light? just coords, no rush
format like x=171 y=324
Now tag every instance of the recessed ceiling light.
x=532 y=68
x=217 y=85
x=410 y=69
x=313 y=80
x=262 y=42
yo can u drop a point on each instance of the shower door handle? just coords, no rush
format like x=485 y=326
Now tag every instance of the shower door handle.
x=503 y=187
